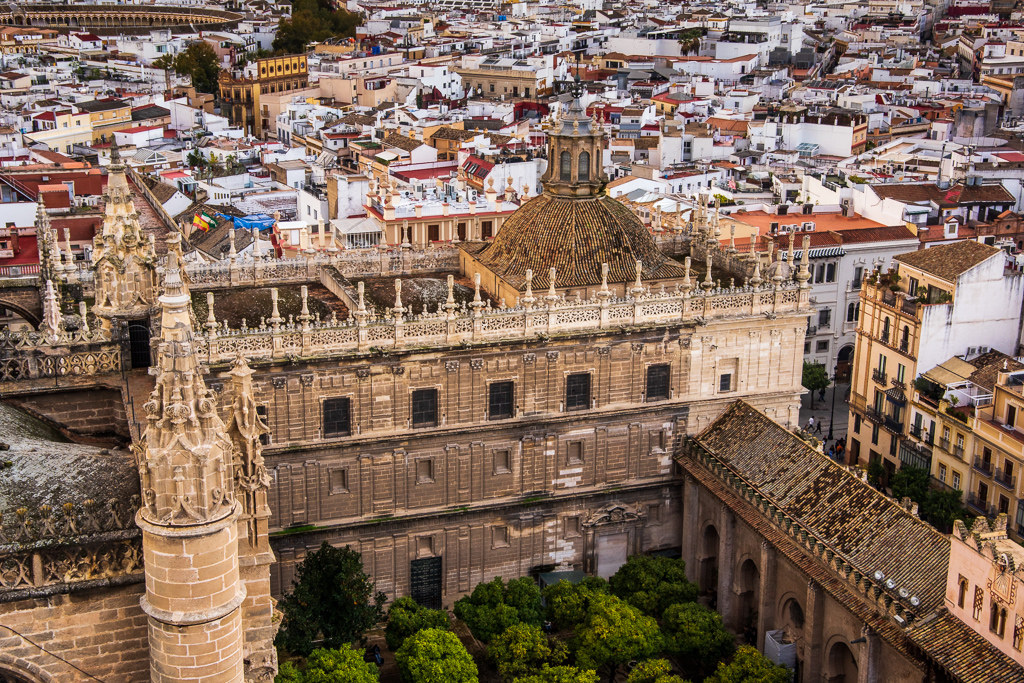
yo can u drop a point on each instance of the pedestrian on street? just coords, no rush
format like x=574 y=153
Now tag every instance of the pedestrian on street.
x=821 y=394
x=810 y=424
x=817 y=427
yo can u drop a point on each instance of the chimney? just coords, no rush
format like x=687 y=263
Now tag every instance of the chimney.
x=14 y=241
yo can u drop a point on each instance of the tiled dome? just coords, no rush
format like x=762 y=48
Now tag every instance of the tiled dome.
x=574 y=235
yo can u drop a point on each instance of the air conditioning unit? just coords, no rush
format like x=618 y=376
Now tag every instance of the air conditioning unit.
x=809 y=226
x=472 y=195
x=796 y=228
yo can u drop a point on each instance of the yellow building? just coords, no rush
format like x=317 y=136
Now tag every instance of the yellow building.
x=999 y=451
x=60 y=131
x=107 y=117
x=240 y=91
x=912 y=319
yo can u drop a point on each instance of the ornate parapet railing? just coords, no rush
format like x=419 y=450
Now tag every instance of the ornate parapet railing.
x=70 y=547
x=246 y=271
x=478 y=322
x=38 y=355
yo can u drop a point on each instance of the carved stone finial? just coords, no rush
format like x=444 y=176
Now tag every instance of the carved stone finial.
x=398 y=308
x=528 y=297
x=552 y=296
x=275 y=314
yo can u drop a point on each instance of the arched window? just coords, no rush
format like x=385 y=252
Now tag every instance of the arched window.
x=885 y=331
x=583 y=173
x=905 y=339
x=565 y=166
x=962 y=597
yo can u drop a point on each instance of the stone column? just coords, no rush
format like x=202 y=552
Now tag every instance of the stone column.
x=813 y=628
x=766 y=606
x=726 y=546
x=691 y=527
x=867 y=667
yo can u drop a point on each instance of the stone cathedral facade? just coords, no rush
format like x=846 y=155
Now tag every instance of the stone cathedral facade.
x=529 y=429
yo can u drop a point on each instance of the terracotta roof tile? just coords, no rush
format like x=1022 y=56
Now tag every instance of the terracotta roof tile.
x=962 y=652
x=575 y=236
x=949 y=261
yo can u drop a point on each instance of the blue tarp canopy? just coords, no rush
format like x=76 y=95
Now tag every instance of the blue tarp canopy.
x=257 y=220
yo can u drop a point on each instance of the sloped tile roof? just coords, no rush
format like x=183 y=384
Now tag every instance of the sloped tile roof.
x=949 y=261
x=857 y=522
x=401 y=142
x=964 y=653
x=575 y=236
x=957 y=194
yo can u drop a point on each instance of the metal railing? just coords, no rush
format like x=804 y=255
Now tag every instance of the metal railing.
x=879 y=376
x=983 y=466
x=1005 y=480
x=980 y=505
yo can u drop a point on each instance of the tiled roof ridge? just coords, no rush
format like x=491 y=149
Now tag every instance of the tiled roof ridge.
x=797 y=554
x=806 y=531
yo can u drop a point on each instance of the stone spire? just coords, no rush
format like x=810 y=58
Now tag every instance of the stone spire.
x=50 y=267
x=189 y=516
x=53 y=321
x=125 y=266
x=245 y=428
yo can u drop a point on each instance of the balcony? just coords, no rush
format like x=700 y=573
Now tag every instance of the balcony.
x=880 y=376
x=892 y=424
x=983 y=466
x=898 y=384
x=980 y=506
x=884 y=338
x=944 y=443
x=921 y=434
x=1007 y=481
x=958 y=452
x=873 y=414
x=904 y=346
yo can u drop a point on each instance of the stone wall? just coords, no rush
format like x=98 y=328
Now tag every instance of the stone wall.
x=101 y=631
x=93 y=412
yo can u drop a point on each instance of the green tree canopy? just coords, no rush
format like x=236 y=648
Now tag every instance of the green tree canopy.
x=910 y=482
x=614 y=633
x=522 y=650
x=566 y=603
x=435 y=656
x=343 y=665
x=313 y=21
x=332 y=600
x=493 y=607
x=560 y=674
x=200 y=62
x=942 y=508
x=815 y=378
x=653 y=671
x=288 y=673
x=651 y=584
x=750 y=666
x=406 y=617
x=698 y=637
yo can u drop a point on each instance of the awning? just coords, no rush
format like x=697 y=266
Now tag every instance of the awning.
x=820 y=252
x=896 y=396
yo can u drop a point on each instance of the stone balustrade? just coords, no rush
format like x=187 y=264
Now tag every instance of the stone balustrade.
x=479 y=322
x=40 y=355
x=246 y=271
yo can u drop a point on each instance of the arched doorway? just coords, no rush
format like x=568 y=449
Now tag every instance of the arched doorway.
x=793 y=630
x=844 y=363
x=750 y=595
x=709 y=565
x=842 y=666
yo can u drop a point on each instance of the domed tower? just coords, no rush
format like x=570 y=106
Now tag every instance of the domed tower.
x=572 y=227
x=574 y=152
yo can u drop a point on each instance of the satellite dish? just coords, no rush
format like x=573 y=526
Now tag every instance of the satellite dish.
x=890 y=584
x=879 y=575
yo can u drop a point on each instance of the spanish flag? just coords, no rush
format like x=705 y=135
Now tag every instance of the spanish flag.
x=199 y=223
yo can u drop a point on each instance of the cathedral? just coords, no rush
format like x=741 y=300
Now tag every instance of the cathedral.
x=533 y=428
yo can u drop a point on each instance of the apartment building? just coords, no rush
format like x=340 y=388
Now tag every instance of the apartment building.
x=936 y=304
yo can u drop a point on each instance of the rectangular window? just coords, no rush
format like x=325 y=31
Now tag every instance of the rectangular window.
x=856 y=422
x=499 y=537
x=881 y=363
x=956 y=481
x=822 y=346
x=574 y=453
x=339 y=481
x=424 y=408
x=901 y=372
x=337 y=417
x=577 y=391
x=434 y=233
x=502 y=461
x=912 y=286
x=500 y=405
x=942 y=473
x=830 y=272
x=725 y=382
x=824 y=317
x=1018 y=632
x=874 y=434
x=573 y=527
x=979 y=602
x=424 y=471
x=854 y=451
x=807 y=346
x=261 y=411
x=657 y=382
x=1004 y=505
x=1011 y=416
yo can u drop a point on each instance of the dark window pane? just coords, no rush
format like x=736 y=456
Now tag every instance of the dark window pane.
x=725 y=382
x=262 y=412
x=336 y=417
x=577 y=391
x=657 y=382
x=501 y=394
x=424 y=408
